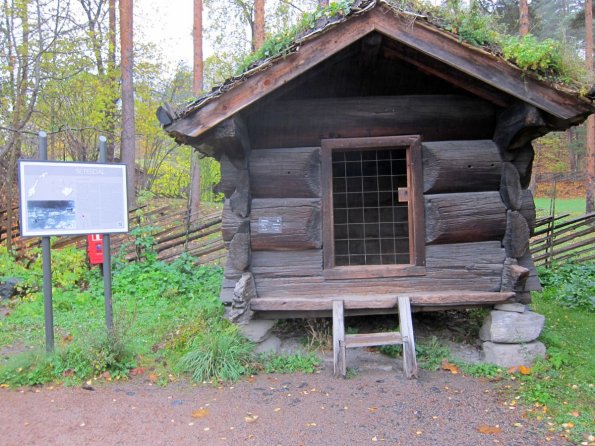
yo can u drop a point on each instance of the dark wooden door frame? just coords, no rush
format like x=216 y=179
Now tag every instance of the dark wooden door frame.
x=416 y=266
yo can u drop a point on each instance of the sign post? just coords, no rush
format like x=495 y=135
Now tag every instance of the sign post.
x=46 y=265
x=107 y=257
x=68 y=198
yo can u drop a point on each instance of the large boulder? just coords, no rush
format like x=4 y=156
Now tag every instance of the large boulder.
x=512 y=355
x=510 y=327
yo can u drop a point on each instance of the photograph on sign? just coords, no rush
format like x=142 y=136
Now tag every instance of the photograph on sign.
x=64 y=198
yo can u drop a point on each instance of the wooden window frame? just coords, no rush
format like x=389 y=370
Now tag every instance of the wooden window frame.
x=416 y=265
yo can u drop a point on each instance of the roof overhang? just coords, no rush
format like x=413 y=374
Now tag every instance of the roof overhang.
x=564 y=108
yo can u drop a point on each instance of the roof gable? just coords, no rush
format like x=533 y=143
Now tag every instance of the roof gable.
x=440 y=53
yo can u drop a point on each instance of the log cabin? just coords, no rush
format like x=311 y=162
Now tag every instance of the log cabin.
x=380 y=156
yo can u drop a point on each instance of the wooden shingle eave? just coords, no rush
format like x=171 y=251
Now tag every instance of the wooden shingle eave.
x=413 y=32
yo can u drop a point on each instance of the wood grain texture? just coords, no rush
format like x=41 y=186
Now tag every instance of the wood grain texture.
x=386 y=301
x=285 y=173
x=510 y=187
x=528 y=208
x=514 y=276
x=301 y=228
x=461 y=166
x=481 y=65
x=523 y=161
x=482 y=278
x=517 y=125
x=305 y=122
x=516 y=237
x=464 y=217
x=532 y=283
x=467 y=256
x=279 y=264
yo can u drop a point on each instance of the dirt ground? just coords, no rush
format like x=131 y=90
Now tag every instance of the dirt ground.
x=378 y=406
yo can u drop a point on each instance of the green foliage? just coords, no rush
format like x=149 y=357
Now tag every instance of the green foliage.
x=290 y=363
x=430 y=353
x=281 y=42
x=72 y=363
x=562 y=384
x=543 y=57
x=153 y=300
x=480 y=370
x=219 y=353
x=570 y=285
x=391 y=350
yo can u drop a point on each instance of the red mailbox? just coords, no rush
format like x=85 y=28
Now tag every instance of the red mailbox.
x=95 y=248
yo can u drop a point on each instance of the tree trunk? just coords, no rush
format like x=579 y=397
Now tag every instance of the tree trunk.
x=127 y=149
x=524 y=18
x=111 y=73
x=197 y=84
x=590 y=149
x=571 y=150
x=258 y=36
x=194 y=192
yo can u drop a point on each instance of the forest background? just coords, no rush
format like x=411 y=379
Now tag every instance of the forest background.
x=75 y=69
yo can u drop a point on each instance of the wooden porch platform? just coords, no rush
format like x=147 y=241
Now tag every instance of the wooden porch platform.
x=381 y=302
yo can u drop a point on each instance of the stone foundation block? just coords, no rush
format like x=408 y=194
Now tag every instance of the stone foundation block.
x=257 y=330
x=512 y=355
x=509 y=327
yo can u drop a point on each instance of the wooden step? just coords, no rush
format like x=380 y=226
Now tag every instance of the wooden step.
x=381 y=301
x=342 y=342
x=373 y=339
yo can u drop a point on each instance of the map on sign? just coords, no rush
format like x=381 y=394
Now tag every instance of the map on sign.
x=63 y=198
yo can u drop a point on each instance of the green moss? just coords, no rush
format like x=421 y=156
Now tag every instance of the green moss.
x=547 y=59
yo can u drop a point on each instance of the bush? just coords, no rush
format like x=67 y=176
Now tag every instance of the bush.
x=570 y=285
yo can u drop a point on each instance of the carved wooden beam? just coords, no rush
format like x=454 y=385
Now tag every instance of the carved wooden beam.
x=514 y=276
x=516 y=126
x=230 y=138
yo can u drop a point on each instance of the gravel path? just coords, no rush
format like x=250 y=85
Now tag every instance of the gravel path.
x=376 y=407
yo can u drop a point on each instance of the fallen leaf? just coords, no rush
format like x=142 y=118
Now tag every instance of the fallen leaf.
x=525 y=370
x=153 y=377
x=137 y=371
x=252 y=379
x=4 y=386
x=489 y=430
x=450 y=367
x=68 y=338
x=277 y=409
x=575 y=414
x=372 y=409
x=250 y=418
x=513 y=370
x=200 y=413
x=68 y=373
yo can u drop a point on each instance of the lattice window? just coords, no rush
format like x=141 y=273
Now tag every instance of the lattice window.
x=373 y=207
x=370 y=224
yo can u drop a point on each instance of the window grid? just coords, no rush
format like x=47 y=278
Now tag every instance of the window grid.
x=370 y=225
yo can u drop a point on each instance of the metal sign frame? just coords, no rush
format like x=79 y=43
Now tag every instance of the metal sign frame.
x=72 y=198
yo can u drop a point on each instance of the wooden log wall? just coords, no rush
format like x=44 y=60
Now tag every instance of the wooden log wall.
x=516 y=127
x=478 y=216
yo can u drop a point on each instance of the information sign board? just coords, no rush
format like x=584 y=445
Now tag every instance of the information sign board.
x=64 y=198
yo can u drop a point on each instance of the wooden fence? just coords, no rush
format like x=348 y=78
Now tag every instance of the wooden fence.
x=173 y=231
x=559 y=239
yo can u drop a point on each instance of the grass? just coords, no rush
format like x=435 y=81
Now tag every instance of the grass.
x=573 y=206
x=168 y=321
